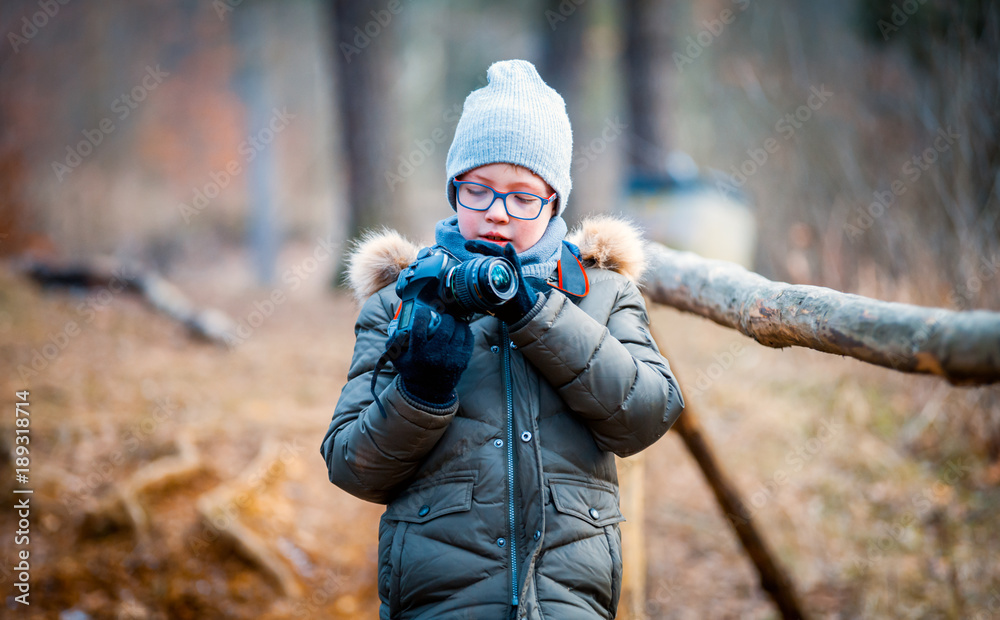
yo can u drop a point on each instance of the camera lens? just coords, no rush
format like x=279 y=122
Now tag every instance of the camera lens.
x=482 y=284
x=500 y=278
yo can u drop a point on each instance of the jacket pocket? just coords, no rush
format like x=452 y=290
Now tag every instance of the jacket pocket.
x=415 y=507
x=596 y=504
x=433 y=498
x=591 y=501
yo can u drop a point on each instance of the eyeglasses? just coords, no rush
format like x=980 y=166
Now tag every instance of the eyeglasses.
x=479 y=197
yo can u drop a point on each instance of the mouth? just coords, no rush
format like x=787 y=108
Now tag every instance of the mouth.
x=495 y=238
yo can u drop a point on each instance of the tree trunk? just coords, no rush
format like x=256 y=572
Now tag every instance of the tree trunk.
x=263 y=228
x=647 y=70
x=362 y=52
x=562 y=68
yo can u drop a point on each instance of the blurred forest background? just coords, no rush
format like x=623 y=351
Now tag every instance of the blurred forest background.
x=236 y=147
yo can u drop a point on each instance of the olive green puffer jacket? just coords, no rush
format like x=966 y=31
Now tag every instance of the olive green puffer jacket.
x=508 y=500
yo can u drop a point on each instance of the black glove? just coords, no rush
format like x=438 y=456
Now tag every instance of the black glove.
x=431 y=367
x=522 y=303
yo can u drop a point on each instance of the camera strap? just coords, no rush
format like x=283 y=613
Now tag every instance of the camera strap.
x=378 y=368
x=392 y=351
x=571 y=278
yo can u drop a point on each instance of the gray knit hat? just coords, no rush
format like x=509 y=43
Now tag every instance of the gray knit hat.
x=516 y=119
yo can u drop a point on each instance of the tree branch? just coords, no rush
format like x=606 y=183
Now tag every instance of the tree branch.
x=962 y=347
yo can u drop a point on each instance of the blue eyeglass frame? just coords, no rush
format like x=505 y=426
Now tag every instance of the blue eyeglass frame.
x=503 y=199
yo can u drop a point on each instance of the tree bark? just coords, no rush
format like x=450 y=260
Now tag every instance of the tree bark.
x=962 y=347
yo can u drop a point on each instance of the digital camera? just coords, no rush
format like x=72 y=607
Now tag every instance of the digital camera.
x=461 y=289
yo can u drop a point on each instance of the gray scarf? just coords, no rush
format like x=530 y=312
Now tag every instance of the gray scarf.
x=538 y=261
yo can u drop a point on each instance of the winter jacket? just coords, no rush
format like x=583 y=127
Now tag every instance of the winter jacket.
x=507 y=501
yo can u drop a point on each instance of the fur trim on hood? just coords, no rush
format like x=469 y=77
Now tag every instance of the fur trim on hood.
x=611 y=243
x=376 y=260
x=605 y=242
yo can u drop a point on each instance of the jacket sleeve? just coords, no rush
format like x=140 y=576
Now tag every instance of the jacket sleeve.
x=367 y=455
x=613 y=375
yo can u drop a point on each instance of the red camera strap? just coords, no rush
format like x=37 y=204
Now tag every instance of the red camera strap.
x=572 y=279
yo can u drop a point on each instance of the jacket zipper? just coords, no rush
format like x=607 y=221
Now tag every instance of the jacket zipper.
x=510 y=465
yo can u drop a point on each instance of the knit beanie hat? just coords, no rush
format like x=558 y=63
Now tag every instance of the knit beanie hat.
x=517 y=119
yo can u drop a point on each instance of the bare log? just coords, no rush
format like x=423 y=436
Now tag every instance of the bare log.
x=962 y=347
x=205 y=324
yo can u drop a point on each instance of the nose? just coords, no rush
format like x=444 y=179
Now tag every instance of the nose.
x=497 y=212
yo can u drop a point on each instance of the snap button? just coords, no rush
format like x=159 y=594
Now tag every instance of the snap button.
x=423 y=510
x=594 y=514
x=498 y=443
x=526 y=436
x=513 y=346
x=495 y=349
x=501 y=542
x=538 y=534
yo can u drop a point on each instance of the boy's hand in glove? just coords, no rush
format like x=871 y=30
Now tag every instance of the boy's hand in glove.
x=432 y=365
x=522 y=303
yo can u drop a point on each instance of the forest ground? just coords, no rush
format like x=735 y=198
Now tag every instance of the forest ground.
x=854 y=473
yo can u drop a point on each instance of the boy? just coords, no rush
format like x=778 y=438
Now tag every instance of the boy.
x=495 y=455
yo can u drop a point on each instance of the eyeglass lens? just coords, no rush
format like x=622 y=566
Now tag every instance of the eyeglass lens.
x=480 y=197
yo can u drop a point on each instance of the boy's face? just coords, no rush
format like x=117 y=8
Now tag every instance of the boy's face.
x=494 y=225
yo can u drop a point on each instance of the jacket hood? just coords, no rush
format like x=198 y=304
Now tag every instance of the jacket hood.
x=605 y=242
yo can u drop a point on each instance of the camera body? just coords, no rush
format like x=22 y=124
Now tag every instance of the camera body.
x=461 y=289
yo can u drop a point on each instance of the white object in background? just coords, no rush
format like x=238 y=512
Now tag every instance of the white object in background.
x=699 y=219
